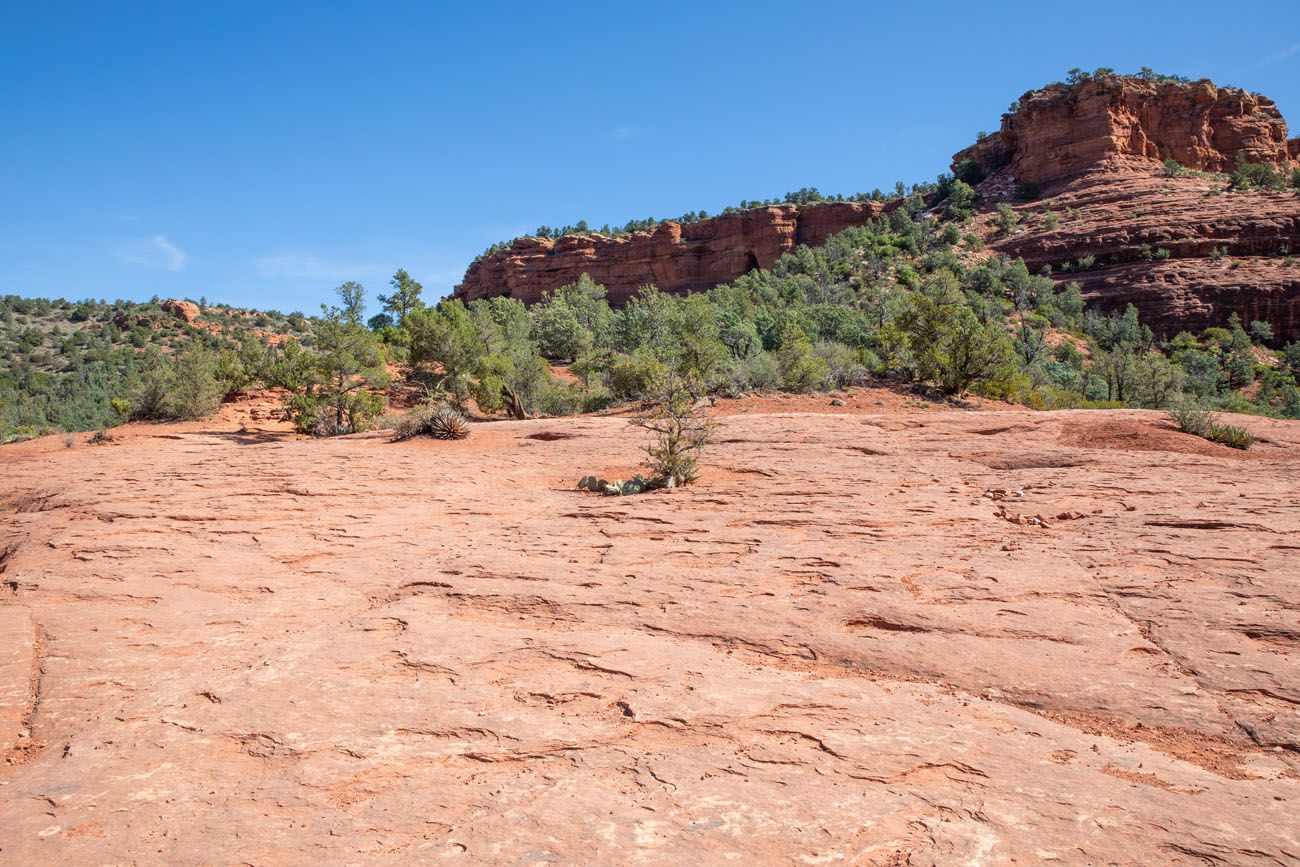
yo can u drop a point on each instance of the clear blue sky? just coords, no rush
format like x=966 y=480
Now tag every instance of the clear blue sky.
x=259 y=153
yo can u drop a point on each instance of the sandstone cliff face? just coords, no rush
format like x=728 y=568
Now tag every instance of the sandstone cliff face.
x=1186 y=253
x=1060 y=131
x=675 y=257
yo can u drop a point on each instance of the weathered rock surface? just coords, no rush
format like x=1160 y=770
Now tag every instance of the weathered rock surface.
x=932 y=637
x=187 y=311
x=1061 y=131
x=1186 y=253
x=675 y=257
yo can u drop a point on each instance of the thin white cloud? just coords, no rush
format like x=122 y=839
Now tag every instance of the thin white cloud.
x=155 y=252
x=1289 y=51
x=292 y=265
x=625 y=133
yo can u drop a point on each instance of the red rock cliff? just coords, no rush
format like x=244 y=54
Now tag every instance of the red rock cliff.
x=1186 y=252
x=676 y=257
x=1062 y=131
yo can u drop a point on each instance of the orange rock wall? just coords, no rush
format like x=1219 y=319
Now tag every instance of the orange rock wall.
x=675 y=257
x=1059 y=132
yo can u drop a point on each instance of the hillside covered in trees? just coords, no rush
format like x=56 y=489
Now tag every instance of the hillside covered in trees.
x=907 y=299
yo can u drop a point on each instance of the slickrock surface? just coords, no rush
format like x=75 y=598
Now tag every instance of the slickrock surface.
x=923 y=636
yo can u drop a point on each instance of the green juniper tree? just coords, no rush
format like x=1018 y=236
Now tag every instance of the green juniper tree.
x=404 y=298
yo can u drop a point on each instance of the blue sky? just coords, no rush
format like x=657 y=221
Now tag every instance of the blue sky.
x=260 y=153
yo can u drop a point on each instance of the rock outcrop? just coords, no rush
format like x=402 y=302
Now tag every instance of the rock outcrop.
x=675 y=257
x=1061 y=131
x=187 y=311
x=1184 y=250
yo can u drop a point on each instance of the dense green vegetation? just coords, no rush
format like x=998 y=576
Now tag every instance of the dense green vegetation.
x=1078 y=76
x=82 y=365
x=900 y=300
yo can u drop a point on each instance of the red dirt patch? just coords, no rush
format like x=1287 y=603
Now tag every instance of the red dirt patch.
x=1137 y=435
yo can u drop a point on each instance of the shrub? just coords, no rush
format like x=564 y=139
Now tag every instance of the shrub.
x=961 y=196
x=448 y=423
x=801 y=370
x=193 y=389
x=558 y=398
x=1261 y=332
x=1173 y=168
x=968 y=172
x=1232 y=436
x=151 y=397
x=595 y=399
x=845 y=368
x=1006 y=218
x=679 y=430
x=436 y=420
x=633 y=377
x=1250 y=175
x=1203 y=423
x=1291 y=357
x=1192 y=419
x=764 y=371
x=1051 y=220
x=1028 y=191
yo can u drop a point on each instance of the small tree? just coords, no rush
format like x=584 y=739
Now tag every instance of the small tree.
x=1261 y=332
x=801 y=368
x=349 y=362
x=352 y=295
x=1006 y=219
x=446 y=336
x=961 y=197
x=680 y=431
x=334 y=383
x=405 y=296
x=195 y=392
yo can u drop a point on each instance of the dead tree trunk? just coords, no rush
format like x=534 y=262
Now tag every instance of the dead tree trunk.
x=513 y=406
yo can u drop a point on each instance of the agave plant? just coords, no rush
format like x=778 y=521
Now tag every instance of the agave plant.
x=447 y=423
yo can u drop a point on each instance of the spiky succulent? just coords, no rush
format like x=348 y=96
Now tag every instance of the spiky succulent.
x=447 y=423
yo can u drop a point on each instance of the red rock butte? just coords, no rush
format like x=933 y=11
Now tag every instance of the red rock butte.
x=1095 y=148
